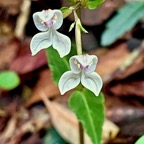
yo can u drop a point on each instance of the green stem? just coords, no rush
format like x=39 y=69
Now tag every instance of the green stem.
x=81 y=133
x=79 y=52
x=71 y=9
x=78 y=34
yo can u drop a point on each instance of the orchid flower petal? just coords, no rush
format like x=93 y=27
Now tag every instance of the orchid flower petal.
x=74 y=65
x=40 y=41
x=38 y=18
x=58 y=19
x=83 y=62
x=61 y=43
x=68 y=81
x=92 y=81
x=91 y=63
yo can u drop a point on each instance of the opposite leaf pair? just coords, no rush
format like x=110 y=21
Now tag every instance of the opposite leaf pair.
x=82 y=66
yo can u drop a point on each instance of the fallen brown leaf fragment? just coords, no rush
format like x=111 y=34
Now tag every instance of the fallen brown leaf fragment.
x=111 y=60
x=25 y=62
x=135 y=88
x=45 y=84
x=9 y=130
x=24 y=122
x=68 y=123
x=128 y=80
x=8 y=51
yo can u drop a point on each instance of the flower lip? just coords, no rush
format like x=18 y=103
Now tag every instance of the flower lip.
x=84 y=63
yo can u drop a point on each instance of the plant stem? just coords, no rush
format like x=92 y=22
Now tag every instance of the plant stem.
x=79 y=52
x=71 y=9
x=78 y=34
x=81 y=134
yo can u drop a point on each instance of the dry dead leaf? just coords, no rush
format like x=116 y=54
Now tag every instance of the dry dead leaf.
x=134 y=88
x=111 y=60
x=128 y=81
x=25 y=62
x=135 y=66
x=23 y=122
x=68 y=123
x=9 y=130
x=46 y=84
x=8 y=51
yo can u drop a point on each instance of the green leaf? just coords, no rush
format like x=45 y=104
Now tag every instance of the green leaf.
x=57 y=64
x=89 y=110
x=63 y=9
x=140 y=140
x=124 y=21
x=93 y=4
x=66 y=11
x=9 y=80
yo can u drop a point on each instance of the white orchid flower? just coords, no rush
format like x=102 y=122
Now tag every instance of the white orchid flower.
x=82 y=70
x=48 y=21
